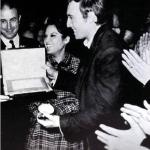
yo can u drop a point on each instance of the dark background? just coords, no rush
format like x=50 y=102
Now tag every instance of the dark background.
x=38 y=8
x=133 y=12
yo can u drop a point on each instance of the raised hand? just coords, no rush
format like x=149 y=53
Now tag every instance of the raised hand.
x=143 y=47
x=136 y=66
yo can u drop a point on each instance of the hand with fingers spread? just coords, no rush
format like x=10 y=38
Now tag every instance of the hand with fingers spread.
x=116 y=139
x=134 y=133
x=143 y=45
x=136 y=66
x=140 y=115
x=118 y=144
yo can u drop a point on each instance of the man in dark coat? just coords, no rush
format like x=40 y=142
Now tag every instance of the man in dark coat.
x=99 y=84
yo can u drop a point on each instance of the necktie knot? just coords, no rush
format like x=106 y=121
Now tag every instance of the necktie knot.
x=12 y=43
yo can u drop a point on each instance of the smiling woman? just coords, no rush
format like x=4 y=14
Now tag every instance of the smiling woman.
x=55 y=40
x=58 y=62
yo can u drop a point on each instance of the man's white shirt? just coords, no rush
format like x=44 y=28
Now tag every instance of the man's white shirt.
x=7 y=41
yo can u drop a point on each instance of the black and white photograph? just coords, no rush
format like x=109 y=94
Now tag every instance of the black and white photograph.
x=75 y=75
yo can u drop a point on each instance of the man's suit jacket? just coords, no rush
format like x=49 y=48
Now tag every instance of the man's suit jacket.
x=98 y=88
x=14 y=115
x=24 y=43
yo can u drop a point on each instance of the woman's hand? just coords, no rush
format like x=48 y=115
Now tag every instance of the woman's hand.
x=45 y=118
x=51 y=72
x=51 y=121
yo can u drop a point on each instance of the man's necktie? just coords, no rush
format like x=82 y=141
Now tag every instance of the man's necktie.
x=12 y=43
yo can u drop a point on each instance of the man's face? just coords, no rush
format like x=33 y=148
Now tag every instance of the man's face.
x=76 y=21
x=9 y=22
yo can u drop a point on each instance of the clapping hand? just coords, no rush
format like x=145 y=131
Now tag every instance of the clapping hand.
x=143 y=47
x=116 y=139
x=140 y=115
x=136 y=66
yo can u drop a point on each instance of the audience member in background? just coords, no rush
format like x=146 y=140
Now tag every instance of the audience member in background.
x=10 y=20
x=99 y=82
x=116 y=21
x=56 y=38
x=10 y=38
x=147 y=23
x=129 y=38
x=13 y=114
x=124 y=29
x=40 y=36
x=139 y=67
x=30 y=29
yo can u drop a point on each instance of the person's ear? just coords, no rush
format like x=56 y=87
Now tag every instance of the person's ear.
x=67 y=40
x=92 y=17
x=19 y=18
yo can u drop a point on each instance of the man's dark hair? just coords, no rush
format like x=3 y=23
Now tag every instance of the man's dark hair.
x=11 y=4
x=97 y=6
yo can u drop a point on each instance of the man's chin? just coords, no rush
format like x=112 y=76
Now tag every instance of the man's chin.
x=10 y=36
x=77 y=37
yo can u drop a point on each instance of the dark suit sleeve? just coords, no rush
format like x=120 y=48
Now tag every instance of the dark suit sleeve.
x=107 y=86
x=66 y=81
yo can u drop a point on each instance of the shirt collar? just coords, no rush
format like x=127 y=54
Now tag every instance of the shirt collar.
x=88 y=43
x=6 y=41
